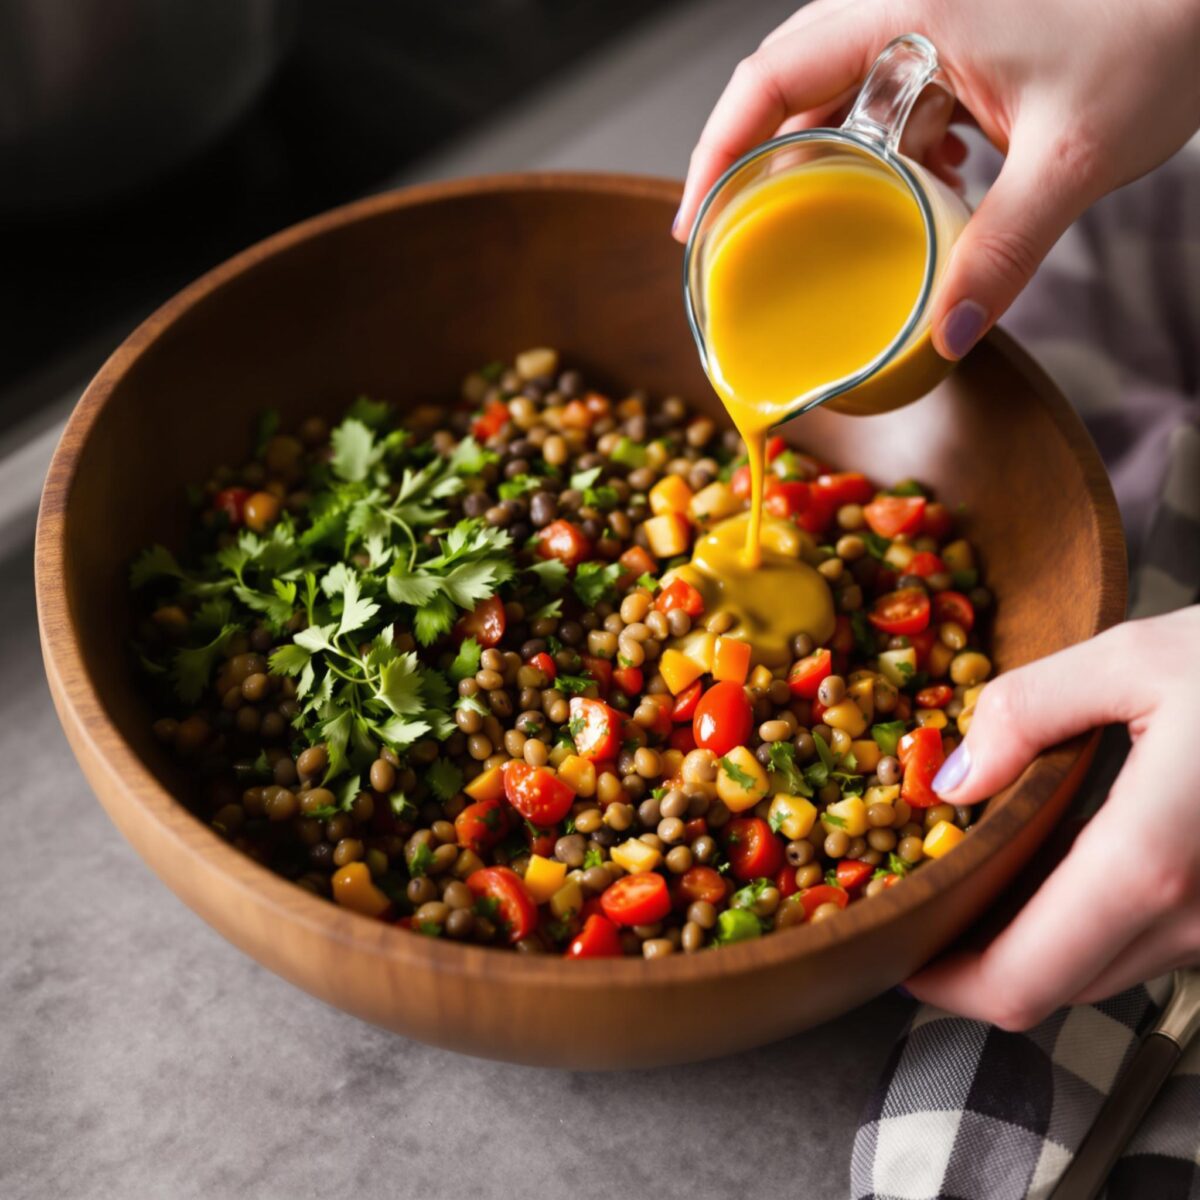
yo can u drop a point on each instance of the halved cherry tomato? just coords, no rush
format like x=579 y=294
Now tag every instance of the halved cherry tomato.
x=596 y=728
x=851 y=873
x=920 y=753
x=785 y=881
x=805 y=676
x=754 y=851
x=564 y=541
x=489 y=423
x=775 y=447
x=682 y=738
x=481 y=825
x=635 y=562
x=629 y=679
x=601 y=670
x=740 y=482
x=545 y=664
x=844 y=487
x=232 y=502
x=937 y=695
x=903 y=611
x=936 y=522
x=786 y=498
x=723 y=718
x=890 y=515
x=700 y=883
x=485 y=624
x=954 y=606
x=516 y=911
x=685 y=703
x=680 y=594
x=925 y=564
x=597 y=939
x=537 y=793
x=824 y=893
x=638 y=899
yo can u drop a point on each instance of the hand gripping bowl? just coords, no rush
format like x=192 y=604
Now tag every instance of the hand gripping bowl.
x=398 y=296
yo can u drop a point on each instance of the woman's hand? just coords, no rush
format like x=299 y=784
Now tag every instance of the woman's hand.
x=1124 y=905
x=1082 y=95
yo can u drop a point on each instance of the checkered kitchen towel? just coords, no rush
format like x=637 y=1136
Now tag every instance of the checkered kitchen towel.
x=966 y=1111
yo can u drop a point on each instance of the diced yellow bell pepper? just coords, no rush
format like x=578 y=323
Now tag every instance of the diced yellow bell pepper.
x=714 y=503
x=931 y=718
x=543 y=877
x=898 y=555
x=487 y=785
x=761 y=678
x=699 y=646
x=670 y=494
x=731 y=659
x=867 y=754
x=862 y=692
x=635 y=856
x=353 y=889
x=972 y=694
x=958 y=555
x=898 y=666
x=882 y=794
x=793 y=816
x=741 y=780
x=941 y=839
x=567 y=900
x=678 y=671
x=849 y=815
x=579 y=774
x=847 y=716
x=668 y=534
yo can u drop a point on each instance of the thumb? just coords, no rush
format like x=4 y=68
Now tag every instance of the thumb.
x=1035 y=197
x=1023 y=711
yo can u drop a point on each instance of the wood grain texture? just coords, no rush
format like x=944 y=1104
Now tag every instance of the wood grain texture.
x=398 y=296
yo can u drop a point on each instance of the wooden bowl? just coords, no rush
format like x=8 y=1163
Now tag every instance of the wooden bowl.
x=398 y=296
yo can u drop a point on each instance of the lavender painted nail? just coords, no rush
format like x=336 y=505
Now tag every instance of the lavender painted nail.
x=961 y=329
x=954 y=770
x=675 y=225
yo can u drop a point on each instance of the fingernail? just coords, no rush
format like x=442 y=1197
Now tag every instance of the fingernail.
x=903 y=991
x=961 y=329
x=954 y=770
x=675 y=222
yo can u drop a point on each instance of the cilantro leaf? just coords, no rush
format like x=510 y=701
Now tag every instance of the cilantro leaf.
x=155 y=562
x=354 y=450
x=742 y=778
x=573 y=685
x=466 y=662
x=191 y=669
x=897 y=865
x=551 y=574
x=444 y=779
x=594 y=582
x=783 y=763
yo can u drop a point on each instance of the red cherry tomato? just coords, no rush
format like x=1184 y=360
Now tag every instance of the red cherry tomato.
x=597 y=939
x=816 y=517
x=925 y=564
x=920 y=753
x=636 y=899
x=936 y=522
x=805 y=676
x=954 y=606
x=851 y=873
x=891 y=515
x=685 y=703
x=775 y=447
x=516 y=912
x=740 y=482
x=232 y=502
x=844 y=487
x=700 y=883
x=723 y=718
x=824 y=893
x=629 y=679
x=481 y=825
x=754 y=851
x=903 y=611
x=680 y=594
x=546 y=664
x=537 y=793
x=785 y=881
x=596 y=728
x=564 y=541
x=485 y=624
x=786 y=498
x=937 y=695
x=601 y=670
x=489 y=422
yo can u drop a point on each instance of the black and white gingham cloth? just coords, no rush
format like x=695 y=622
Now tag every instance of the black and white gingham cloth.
x=964 y=1110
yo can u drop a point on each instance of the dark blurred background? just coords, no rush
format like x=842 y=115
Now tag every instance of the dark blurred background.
x=143 y=141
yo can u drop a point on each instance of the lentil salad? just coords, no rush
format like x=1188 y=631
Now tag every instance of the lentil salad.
x=436 y=667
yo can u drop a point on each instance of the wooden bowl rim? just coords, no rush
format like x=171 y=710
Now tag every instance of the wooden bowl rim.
x=80 y=706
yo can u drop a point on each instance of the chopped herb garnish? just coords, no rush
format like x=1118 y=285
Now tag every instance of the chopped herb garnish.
x=595 y=582
x=888 y=734
x=741 y=778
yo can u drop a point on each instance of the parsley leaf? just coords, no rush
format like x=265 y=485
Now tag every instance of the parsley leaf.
x=783 y=763
x=573 y=685
x=594 y=582
x=192 y=668
x=466 y=662
x=444 y=779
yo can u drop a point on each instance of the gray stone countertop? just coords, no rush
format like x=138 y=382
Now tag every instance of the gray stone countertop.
x=144 y=1057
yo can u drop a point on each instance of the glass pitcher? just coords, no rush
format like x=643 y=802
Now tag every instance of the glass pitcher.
x=908 y=366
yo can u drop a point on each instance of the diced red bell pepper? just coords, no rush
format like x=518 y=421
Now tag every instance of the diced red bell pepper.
x=680 y=594
x=494 y=417
x=635 y=562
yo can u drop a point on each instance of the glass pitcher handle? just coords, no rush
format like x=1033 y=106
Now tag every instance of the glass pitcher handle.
x=898 y=76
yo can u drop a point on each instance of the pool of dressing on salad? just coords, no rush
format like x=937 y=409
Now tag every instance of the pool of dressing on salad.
x=810 y=275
